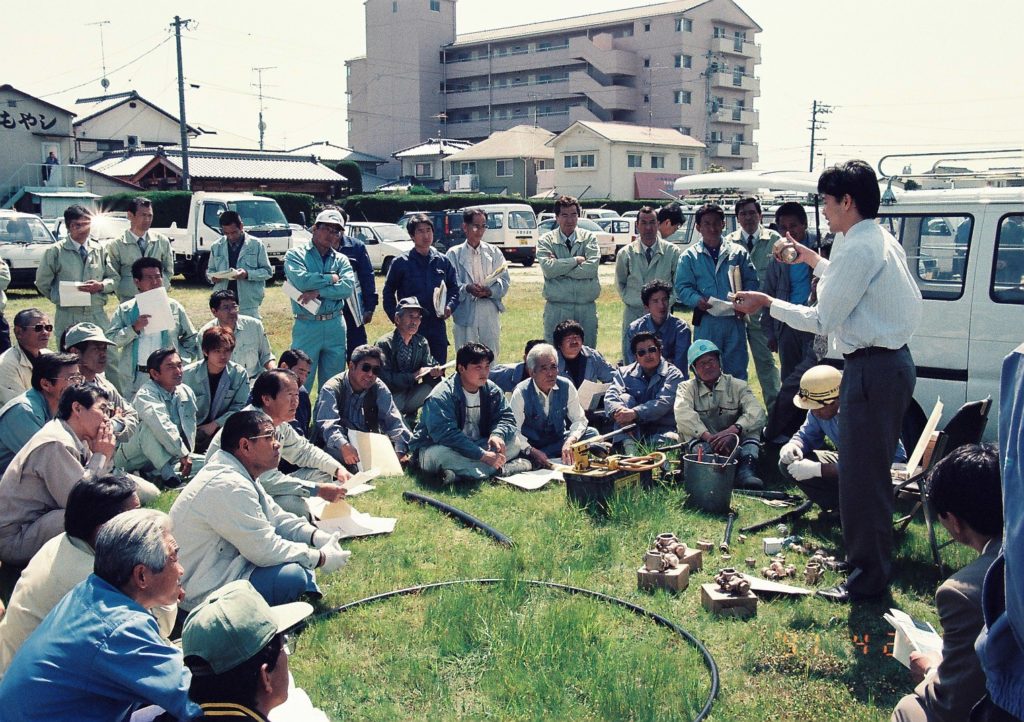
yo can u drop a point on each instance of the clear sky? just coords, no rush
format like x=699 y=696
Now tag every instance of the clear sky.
x=900 y=75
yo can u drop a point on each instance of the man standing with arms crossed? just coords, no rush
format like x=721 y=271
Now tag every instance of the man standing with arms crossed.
x=869 y=303
x=569 y=257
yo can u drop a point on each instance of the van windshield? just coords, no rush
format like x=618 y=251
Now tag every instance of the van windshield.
x=258 y=213
x=24 y=230
x=522 y=220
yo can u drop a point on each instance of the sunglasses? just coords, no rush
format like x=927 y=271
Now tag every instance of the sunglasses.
x=641 y=352
x=370 y=369
x=40 y=327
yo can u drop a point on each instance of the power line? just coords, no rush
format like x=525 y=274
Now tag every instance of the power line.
x=120 y=67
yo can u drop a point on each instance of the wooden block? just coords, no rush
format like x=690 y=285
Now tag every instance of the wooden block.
x=674 y=580
x=715 y=600
x=693 y=558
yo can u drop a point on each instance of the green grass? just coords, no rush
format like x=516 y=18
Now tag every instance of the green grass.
x=516 y=652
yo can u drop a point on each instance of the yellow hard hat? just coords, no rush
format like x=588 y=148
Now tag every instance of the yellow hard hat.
x=818 y=386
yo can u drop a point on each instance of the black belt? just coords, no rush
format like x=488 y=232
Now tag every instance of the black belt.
x=873 y=351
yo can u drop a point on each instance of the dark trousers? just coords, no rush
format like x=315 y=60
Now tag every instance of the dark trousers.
x=436 y=332
x=875 y=392
x=5 y=334
x=793 y=346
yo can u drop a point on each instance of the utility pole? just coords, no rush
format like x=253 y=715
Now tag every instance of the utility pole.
x=259 y=75
x=817 y=108
x=186 y=183
x=104 y=82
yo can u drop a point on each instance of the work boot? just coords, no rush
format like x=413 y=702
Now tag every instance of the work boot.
x=746 y=474
x=516 y=466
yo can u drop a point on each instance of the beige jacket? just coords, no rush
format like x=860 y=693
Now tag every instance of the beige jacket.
x=730 y=401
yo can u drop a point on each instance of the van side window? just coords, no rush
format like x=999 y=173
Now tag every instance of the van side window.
x=494 y=221
x=211 y=215
x=1008 y=269
x=937 y=249
x=519 y=220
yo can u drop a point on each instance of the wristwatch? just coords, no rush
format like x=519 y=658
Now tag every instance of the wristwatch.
x=528 y=450
x=739 y=429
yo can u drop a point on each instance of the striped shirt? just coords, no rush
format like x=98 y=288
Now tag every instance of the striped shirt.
x=866 y=294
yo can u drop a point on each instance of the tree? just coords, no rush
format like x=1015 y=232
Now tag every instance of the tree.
x=353 y=175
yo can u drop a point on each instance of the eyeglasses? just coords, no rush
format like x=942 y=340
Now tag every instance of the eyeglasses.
x=72 y=379
x=40 y=327
x=335 y=230
x=370 y=369
x=269 y=435
x=288 y=644
x=641 y=352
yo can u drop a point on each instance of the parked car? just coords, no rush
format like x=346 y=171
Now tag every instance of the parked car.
x=621 y=228
x=595 y=213
x=384 y=242
x=447 y=227
x=605 y=240
x=23 y=241
x=105 y=227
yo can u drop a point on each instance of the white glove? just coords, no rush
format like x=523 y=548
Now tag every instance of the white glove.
x=334 y=540
x=790 y=452
x=334 y=558
x=804 y=469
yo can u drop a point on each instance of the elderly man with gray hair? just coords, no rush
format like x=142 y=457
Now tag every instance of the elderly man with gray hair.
x=99 y=654
x=547 y=410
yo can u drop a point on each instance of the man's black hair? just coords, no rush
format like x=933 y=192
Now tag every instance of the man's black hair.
x=856 y=178
x=966 y=483
x=94 y=501
x=473 y=353
x=652 y=287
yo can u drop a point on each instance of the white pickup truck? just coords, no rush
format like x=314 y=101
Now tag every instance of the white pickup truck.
x=261 y=217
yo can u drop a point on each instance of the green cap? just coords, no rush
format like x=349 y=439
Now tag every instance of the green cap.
x=234 y=623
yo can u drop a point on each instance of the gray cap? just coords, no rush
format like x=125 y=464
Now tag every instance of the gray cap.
x=408 y=302
x=82 y=332
x=331 y=216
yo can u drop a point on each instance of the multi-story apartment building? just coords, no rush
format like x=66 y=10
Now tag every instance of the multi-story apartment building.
x=686 y=64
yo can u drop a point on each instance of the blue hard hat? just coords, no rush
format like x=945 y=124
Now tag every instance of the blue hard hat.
x=698 y=349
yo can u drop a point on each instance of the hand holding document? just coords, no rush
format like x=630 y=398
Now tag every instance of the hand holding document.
x=229 y=274
x=72 y=296
x=912 y=635
x=375 y=452
x=294 y=294
x=155 y=305
x=342 y=518
x=440 y=298
x=591 y=393
x=720 y=307
x=493 y=275
x=425 y=371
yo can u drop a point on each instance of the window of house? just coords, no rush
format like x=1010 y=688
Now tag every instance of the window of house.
x=394 y=6
x=571 y=161
x=435 y=6
x=543 y=164
x=503 y=168
x=657 y=161
x=686 y=162
x=647 y=27
x=719 y=31
x=684 y=129
x=580 y=160
x=647 y=62
x=423 y=169
x=684 y=25
x=467 y=167
x=684 y=61
x=634 y=160
x=682 y=97
x=588 y=160
x=647 y=98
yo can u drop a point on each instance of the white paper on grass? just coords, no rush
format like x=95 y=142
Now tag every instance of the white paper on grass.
x=375 y=452
x=360 y=479
x=533 y=480
x=155 y=305
x=71 y=295
x=912 y=635
x=340 y=516
x=720 y=307
x=590 y=394
x=293 y=293
x=440 y=296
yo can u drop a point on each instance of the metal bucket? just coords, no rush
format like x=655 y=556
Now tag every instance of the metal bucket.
x=709 y=481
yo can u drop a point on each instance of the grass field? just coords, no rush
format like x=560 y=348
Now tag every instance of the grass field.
x=512 y=651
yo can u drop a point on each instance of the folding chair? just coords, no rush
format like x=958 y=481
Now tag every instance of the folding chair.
x=968 y=424
x=913 y=485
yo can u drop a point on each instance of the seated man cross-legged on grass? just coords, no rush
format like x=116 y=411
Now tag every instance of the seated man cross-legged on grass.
x=547 y=410
x=714 y=409
x=406 y=355
x=467 y=429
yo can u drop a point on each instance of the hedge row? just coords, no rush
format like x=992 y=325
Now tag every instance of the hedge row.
x=389 y=207
x=172 y=206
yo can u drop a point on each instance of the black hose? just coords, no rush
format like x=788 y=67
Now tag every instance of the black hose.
x=462 y=516
x=768 y=494
x=709 y=661
x=791 y=514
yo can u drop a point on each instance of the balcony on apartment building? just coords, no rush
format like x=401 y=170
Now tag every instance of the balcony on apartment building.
x=740 y=116
x=736 y=81
x=598 y=51
x=733 y=149
x=737 y=47
x=589 y=83
x=555 y=121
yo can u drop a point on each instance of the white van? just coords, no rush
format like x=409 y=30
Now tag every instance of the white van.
x=512 y=227
x=965 y=248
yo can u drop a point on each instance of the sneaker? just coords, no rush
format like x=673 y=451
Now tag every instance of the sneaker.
x=746 y=475
x=516 y=466
x=173 y=482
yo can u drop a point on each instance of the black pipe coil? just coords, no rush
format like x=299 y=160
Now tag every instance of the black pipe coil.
x=462 y=516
